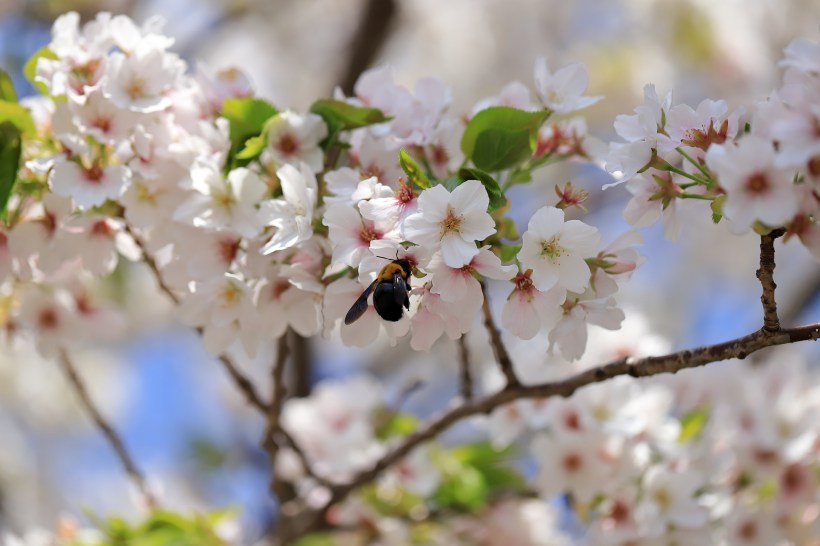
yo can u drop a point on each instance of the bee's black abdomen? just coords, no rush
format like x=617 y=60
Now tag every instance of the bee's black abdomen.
x=384 y=300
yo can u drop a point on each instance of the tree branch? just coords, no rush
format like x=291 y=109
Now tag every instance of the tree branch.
x=635 y=367
x=500 y=351
x=274 y=412
x=765 y=274
x=373 y=31
x=105 y=427
x=466 y=374
x=240 y=380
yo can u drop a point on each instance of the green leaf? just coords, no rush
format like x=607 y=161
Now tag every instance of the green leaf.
x=521 y=176
x=500 y=137
x=452 y=182
x=247 y=118
x=717 y=208
x=341 y=116
x=414 y=173
x=30 y=68
x=509 y=252
x=7 y=87
x=692 y=424
x=347 y=116
x=19 y=116
x=506 y=228
x=400 y=424
x=464 y=488
x=254 y=147
x=497 y=197
x=10 y=150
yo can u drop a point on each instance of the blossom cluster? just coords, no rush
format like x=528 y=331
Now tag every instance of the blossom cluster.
x=259 y=219
x=762 y=173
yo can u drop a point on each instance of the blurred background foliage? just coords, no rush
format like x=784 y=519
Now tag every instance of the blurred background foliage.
x=185 y=425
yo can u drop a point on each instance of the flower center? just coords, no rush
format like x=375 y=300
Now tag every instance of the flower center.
x=551 y=249
x=230 y=294
x=368 y=233
x=372 y=170
x=748 y=531
x=288 y=145
x=405 y=193
x=136 y=89
x=439 y=155
x=227 y=249
x=662 y=498
x=145 y=195
x=102 y=123
x=757 y=183
x=93 y=174
x=523 y=282
x=451 y=222
x=572 y=462
x=101 y=228
x=48 y=320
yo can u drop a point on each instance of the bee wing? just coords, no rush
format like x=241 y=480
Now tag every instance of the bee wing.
x=360 y=305
x=400 y=290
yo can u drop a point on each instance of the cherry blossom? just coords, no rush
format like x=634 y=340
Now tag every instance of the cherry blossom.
x=452 y=221
x=294 y=139
x=755 y=188
x=223 y=203
x=292 y=214
x=454 y=284
x=643 y=133
x=555 y=250
x=561 y=91
x=529 y=310
x=89 y=185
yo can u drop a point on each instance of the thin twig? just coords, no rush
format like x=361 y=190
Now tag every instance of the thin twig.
x=635 y=367
x=152 y=265
x=765 y=274
x=108 y=431
x=466 y=375
x=242 y=382
x=500 y=351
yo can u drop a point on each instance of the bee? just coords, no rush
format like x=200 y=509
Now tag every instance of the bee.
x=390 y=291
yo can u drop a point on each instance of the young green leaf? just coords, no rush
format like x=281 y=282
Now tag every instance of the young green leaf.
x=10 y=149
x=7 y=87
x=509 y=252
x=347 y=115
x=19 y=116
x=341 y=116
x=30 y=68
x=692 y=424
x=247 y=117
x=253 y=147
x=414 y=172
x=500 y=137
x=497 y=197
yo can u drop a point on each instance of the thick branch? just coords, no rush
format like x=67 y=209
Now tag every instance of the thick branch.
x=272 y=427
x=373 y=31
x=242 y=382
x=105 y=427
x=269 y=442
x=766 y=276
x=635 y=367
x=500 y=351
x=466 y=375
